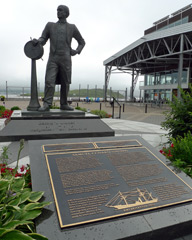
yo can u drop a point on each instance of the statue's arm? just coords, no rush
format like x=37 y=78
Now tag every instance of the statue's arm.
x=44 y=36
x=79 y=39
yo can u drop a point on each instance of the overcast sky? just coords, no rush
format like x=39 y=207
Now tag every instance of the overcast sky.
x=106 y=25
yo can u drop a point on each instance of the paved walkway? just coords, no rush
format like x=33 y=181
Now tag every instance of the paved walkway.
x=132 y=111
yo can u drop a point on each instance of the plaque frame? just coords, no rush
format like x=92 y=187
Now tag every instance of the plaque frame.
x=95 y=146
x=62 y=225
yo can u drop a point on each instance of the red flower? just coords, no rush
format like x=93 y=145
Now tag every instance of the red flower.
x=172 y=145
x=162 y=152
x=22 y=168
x=18 y=175
x=3 y=170
x=6 y=114
x=9 y=169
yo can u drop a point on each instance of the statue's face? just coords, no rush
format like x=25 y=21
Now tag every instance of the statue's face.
x=61 y=12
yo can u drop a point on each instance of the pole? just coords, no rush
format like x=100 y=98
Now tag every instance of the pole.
x=105 y=86
x=34 y=102
x=180 y=69
x=95 y=92
x=79 y=92
x=110 y=93
x=88 y=90
x=118 y=95
x=6 y=90
x=126 y=95
x=145 y=108
x=132 y=85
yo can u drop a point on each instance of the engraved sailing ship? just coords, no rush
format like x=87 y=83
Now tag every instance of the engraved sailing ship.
x=133 y=198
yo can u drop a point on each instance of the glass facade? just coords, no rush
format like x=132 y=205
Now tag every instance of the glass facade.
x=158 y=95
x=179 y=22
x=163 y=78
x=167 y=77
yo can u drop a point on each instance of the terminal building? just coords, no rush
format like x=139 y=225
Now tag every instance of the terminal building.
x=163 y=56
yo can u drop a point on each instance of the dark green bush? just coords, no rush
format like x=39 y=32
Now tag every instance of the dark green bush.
x=54 y=106
x=180 y=153
x=81 y=109
x=100 y=113
x=2 y=108
x=15 y=108
x=178 y=121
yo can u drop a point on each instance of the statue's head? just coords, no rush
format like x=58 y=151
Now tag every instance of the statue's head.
x=62 y=11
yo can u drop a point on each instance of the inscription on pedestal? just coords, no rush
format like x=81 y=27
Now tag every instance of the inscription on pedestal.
x=70 y=126
x=96 y=184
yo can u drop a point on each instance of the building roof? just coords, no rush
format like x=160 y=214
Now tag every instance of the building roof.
x=167 y=40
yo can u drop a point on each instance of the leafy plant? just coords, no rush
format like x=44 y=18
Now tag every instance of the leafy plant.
x=54 y=106
x=5 y=170
x=4 y=155
x=178 y=120
x=15 y=108
x=2 y=108
x=180 y=153
x=2 y=98
x=6 y=113
x=101 y=113
x=18 y=207
x=81 y=109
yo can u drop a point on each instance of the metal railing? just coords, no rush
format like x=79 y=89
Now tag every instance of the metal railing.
x=113 y=107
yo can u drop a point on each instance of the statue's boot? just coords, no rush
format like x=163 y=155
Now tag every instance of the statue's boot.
x=44 y=108
x=63 y=97
x=66 y=107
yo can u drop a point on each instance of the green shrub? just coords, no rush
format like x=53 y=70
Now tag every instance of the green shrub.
x=5 y=113
x=178 y=121
x=81 y=109
x=2 y=108
x=15 y=108
x=19 y=206
x=54 y=106
x=2 y=98
x=180 y=153
x=101 y=113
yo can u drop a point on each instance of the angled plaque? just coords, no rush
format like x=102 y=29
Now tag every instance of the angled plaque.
x=101 y=184
x=90 y=145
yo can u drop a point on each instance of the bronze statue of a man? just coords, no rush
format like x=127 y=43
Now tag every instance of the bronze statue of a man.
x=58 y=69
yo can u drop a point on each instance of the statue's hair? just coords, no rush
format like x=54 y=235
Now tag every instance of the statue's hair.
x=66 y=9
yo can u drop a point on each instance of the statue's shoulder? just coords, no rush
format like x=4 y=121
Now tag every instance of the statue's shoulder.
x=70 y=25
x=50 y=24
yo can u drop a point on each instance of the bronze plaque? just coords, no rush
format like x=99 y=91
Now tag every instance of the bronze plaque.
x=95 y=185
x=68 y=147
x=90 y=145
x=118 y=143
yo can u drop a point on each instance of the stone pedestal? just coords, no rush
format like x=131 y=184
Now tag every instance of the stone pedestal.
x=55 y=124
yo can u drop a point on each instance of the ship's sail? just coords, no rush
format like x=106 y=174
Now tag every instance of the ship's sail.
x=131 y=199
